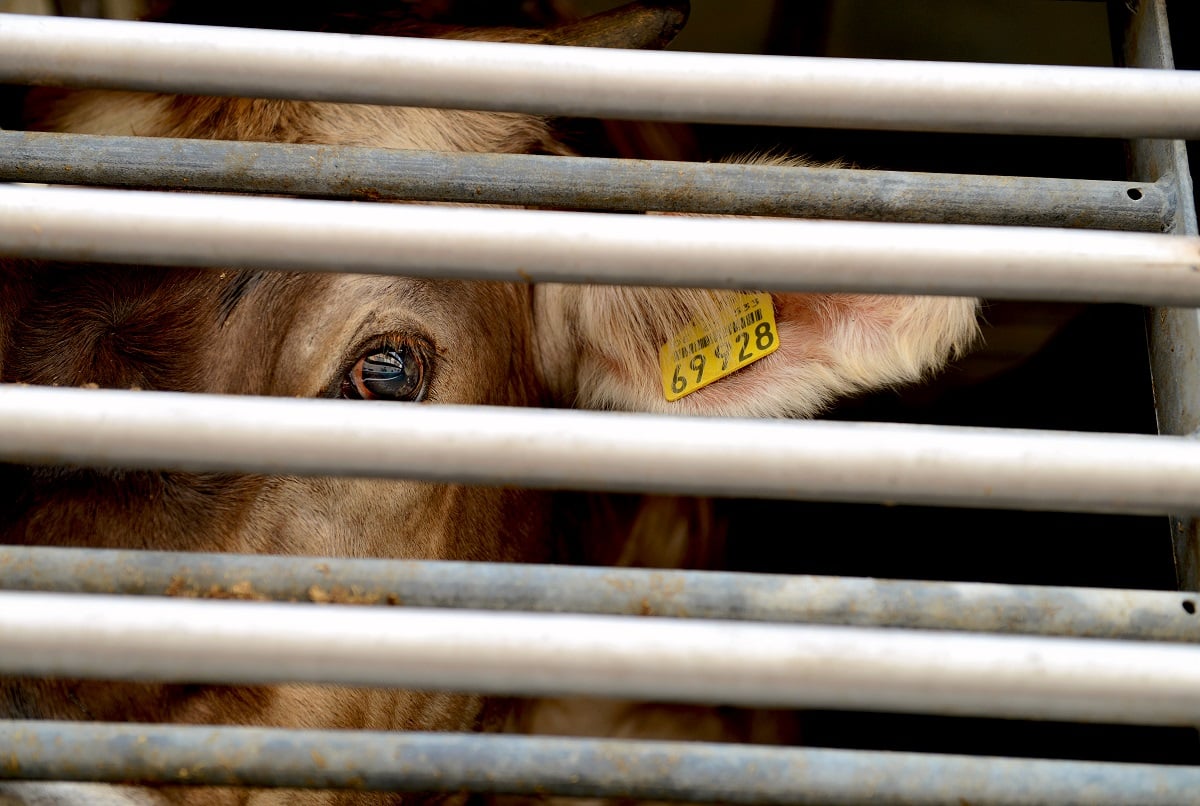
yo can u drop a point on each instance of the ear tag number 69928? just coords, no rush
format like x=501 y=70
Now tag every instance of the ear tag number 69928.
x=744 y=333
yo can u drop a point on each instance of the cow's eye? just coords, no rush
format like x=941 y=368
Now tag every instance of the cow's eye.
x=388 y=372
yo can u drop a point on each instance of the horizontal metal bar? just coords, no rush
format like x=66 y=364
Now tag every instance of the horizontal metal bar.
x=565 y=449
x=553 y=654
x=193 y=229
x=520 y=765
x=581 y=183
x=697 y=87
x=968 y=606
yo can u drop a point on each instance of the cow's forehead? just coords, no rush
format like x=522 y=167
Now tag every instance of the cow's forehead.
x=110 y=326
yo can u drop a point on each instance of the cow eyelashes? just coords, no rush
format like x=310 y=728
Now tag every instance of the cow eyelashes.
x=394 y=370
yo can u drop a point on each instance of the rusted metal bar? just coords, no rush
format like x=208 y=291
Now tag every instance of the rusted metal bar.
x=1029 y=609
x=599 y=768
x=581 y=183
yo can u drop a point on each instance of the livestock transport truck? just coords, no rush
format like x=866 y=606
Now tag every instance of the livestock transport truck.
x=980 y=588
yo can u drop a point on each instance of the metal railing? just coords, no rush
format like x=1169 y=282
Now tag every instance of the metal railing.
x=375 y=174
x=556 y=654
x=593 y=82
x=614 y=451
x=719 y=595
x=554 y=246
x=690 y=771
x=842 y=658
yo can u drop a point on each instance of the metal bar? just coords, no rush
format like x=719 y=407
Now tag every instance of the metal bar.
x=193 y=229
x=581 y=183
x=568 y=449
x=599 y=768
x=1174 y=333
x=553 y=654
x=1026 y=609
x=697 y=87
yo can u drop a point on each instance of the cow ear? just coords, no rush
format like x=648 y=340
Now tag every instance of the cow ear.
x=641 y=25
x=756 y=354
x=787 y=355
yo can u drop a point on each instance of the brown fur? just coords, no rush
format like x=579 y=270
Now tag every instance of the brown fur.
x=294 y=335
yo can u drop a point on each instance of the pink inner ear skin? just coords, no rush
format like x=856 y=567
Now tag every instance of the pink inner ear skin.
x=816 y=327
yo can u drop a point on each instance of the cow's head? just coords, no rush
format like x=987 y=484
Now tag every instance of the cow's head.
x=402 y=340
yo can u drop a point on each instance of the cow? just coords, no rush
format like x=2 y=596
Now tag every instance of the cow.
x=410 y=341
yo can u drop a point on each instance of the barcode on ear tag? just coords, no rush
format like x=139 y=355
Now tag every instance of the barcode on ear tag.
x=700 y=355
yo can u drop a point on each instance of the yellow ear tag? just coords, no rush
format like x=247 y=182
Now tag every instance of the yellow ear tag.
x=703 y=354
